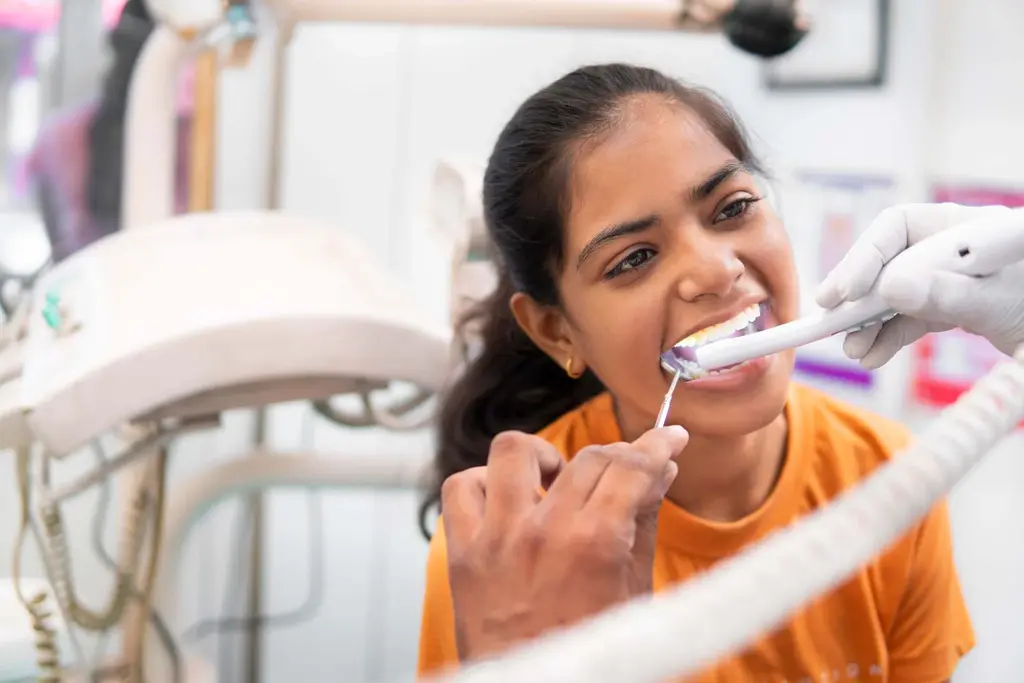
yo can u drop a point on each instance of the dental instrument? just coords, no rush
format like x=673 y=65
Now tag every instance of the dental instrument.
x=977 y=255
x=666 y=403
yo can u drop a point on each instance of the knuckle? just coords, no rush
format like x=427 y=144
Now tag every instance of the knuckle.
x=463 y=563
x=598 y=538
x=454 y=483
x=507 y=441
x=533 y=533
x=636 y=459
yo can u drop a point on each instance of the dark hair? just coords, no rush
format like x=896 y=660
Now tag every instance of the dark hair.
x=511 y=384
x=106 y=132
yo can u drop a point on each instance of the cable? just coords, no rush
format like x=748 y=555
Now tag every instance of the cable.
x=680 y=631
x=99 y=522
x=47 y=654
x=309 y=607
x=154 y=559
x=306 y=611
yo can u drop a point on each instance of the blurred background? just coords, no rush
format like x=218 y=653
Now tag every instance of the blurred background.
x=908 y=100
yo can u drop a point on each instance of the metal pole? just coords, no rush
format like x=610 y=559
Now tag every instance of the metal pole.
x=257 y=501
x=621 y=14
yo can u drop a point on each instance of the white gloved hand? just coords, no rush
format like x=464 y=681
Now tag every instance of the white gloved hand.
x=992 y=307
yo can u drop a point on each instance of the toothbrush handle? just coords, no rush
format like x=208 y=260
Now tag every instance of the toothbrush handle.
x=844 y=317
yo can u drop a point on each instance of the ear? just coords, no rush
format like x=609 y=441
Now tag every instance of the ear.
x=546 y=327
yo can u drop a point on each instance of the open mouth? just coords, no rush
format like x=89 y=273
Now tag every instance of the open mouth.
x=682 y=357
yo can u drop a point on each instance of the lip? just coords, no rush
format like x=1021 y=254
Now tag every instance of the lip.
x=742 y=377
x=721 y=317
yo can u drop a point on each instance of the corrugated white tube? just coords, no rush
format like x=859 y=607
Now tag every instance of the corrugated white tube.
x=682 y=631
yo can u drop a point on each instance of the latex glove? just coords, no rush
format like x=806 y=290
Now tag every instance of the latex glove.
x=992 y=307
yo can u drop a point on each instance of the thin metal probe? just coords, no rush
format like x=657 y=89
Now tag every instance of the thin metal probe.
x=663 y=413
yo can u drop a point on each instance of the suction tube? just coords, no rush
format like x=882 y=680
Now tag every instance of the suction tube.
x=679 y=632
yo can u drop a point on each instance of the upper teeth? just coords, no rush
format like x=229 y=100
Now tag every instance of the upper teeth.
x=723 y=329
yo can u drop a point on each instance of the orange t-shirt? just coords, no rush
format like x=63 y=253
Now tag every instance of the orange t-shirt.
x=900 y=619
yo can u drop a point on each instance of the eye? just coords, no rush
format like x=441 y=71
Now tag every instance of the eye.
x=636 y=259
x=737 y=209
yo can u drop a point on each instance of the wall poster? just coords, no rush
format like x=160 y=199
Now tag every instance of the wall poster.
x=946 y=365
x=825 y=213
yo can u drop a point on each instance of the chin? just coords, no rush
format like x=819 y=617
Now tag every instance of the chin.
x=753 y=404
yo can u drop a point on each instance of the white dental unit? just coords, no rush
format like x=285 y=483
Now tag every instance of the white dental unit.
x=176 y=320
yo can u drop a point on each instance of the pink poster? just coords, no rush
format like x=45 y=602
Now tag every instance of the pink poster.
x=946 y=365
x=978 y=196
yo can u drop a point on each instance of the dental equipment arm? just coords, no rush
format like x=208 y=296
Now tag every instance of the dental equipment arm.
x=968 y=275
x=625 y=14
x=932 y=299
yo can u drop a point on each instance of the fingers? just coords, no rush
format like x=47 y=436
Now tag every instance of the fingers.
x=894 y=335
x=462 y=504
x=856 y=272
x=517 y=466
x=857 y=344
x=639 y=474
x=573 y=487
x=890 y=233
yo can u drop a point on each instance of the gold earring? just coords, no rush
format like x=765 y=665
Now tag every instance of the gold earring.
x=568 y=370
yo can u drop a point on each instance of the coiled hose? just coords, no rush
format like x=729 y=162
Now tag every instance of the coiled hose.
x=63 y=583
x=681 y=631
x=47 y=652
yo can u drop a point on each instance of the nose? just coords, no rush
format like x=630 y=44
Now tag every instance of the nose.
x=709 y=267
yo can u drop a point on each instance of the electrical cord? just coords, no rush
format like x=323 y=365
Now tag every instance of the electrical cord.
x=394 y=417
x=47 y=654
x=307 y=609
x=153 y=561
x=99 y=522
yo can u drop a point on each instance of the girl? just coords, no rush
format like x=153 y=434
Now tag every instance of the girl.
x=626 y=215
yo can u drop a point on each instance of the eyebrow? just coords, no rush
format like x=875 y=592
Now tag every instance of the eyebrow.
x=703 y=190
x=699 y=192
x=614 y=232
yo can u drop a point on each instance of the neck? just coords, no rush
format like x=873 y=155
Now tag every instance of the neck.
x=724 y=479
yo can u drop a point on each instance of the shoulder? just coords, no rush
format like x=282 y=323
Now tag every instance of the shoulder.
x=845 y=442
x=437 y=647
x=592 y=423
x=914 y=581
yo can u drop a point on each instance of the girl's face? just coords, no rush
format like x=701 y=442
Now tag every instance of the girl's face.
x=666 y=237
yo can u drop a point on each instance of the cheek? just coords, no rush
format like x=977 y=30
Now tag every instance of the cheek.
x=775 y=261
x=616 y=333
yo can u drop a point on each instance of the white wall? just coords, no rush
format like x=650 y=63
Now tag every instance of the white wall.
x=370 y=109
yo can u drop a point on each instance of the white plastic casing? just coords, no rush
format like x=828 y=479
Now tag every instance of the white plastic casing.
x=208 y=303
x=186 y=15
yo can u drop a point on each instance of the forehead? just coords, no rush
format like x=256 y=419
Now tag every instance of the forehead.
x=656 y=153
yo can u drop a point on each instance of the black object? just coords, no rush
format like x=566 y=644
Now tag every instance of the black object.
x=766 y=28
x=873 y=77
x=106 y=136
